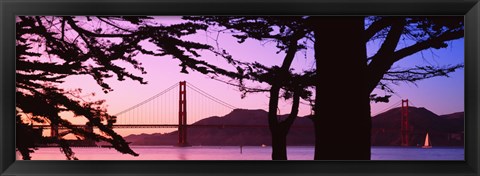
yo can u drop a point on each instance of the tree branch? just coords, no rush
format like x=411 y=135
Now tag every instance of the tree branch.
x=419 y=73
x=376 y=27
x=77 y=28
x=380 y=62
x=437 y=42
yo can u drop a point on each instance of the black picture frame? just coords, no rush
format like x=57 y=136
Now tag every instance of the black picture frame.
x=10 y=8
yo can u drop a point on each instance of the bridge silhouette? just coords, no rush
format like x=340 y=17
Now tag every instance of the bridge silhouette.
x=161 y=111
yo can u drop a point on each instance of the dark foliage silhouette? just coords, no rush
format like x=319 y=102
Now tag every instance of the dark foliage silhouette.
x=340 y=54
x=348 y=60
x=50 y=49
x=288 y=40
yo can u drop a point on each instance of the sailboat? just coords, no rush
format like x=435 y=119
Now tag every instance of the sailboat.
x=427 y=143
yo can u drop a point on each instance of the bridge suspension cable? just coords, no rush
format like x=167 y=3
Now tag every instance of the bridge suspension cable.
x=163 y=108
x=398 y=103
x=147 y=100
x=205 y=94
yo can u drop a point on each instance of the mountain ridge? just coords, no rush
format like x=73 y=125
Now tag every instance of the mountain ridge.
x=444 y=130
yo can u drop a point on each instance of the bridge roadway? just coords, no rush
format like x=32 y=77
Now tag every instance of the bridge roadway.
x=305 y=127
x=225 y=126
x=175 y=126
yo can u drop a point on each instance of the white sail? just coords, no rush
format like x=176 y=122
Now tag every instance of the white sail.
x=427 y=142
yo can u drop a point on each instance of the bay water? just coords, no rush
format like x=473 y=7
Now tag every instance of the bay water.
x=240 y=153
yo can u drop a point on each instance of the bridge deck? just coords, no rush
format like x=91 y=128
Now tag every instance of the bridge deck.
x=175 y=126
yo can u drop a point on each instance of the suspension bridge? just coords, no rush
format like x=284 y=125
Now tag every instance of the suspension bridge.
x=162 y=111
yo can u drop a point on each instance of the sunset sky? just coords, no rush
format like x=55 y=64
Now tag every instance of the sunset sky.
x=441 y=95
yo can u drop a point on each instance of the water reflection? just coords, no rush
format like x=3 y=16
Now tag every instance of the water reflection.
x=248 y=153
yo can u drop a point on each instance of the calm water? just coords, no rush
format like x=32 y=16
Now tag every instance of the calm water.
x=248 y=153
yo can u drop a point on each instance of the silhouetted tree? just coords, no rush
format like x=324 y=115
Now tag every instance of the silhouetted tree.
x=50 y=49
x=346 y=77
x=26 y=138
x=291 y=31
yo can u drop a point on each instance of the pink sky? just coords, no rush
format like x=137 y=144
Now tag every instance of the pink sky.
x=441 y=95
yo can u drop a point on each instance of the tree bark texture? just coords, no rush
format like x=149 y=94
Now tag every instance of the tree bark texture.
x=342 y=106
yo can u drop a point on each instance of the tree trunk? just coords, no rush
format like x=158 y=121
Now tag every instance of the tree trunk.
x=279 y=131
x=279 y=147
x=342 y=106
x=279 y=144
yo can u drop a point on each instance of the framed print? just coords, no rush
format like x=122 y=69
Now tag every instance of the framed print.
x=253 y=87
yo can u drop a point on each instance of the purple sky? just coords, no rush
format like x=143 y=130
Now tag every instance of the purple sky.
x=441 y=95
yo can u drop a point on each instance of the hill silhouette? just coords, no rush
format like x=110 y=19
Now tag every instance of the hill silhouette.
x=444 y=130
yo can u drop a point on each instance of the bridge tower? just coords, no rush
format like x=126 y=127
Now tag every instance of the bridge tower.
x=404 y=123
x=89 y=128
x=182 y=114
x=54 y=131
